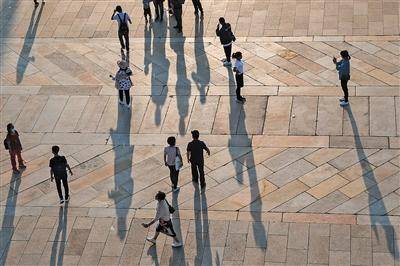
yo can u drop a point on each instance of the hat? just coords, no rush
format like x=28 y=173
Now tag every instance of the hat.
x=122 y=64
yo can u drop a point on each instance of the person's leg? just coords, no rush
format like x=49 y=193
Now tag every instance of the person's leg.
x=127 y=97
x=121 y=41
x=195 y=5
x=228 y=51
x=238 y=96
x=121 y=96
x=343 y=83
x=161 y=8
x=195 y=174
x=126 y=36
x=172 y=174
x=179 y=19
x=13 y=161
x=199 y=6
x=58 y=185
x=201 y=171
x=65 y=185
x=156 y=10
x=20 y=160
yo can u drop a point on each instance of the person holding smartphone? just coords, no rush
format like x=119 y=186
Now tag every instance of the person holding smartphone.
x=343 y=67
x=226 y=38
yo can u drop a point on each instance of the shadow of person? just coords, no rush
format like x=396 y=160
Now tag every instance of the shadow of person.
x=159 y=70
x=24 y=58
x=123 y=187
x=259 y=231
x=147 y=46
x=152 y=251
x=183 y=84
x=178 y=254
x=202 y=75
x=377 y=209
x=203 y=249
x=7 y=224
x=125 y=56
x=60 y=238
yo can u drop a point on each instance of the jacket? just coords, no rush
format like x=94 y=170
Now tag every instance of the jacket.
x=343 y=67
x=225 y=34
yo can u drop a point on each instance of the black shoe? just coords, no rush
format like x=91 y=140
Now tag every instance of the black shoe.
x=156 y=18
x=179 y=31
x=195 y=181
x=36 y=3
x=67 y=198
x=61 y=201
x=176 y=27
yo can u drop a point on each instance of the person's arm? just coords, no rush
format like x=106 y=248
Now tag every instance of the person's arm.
x=217 y=30
x=156 y=218
x=206 y=149
x=51 y=175
x=113 y=14
x=165 y=158
x=67 y=166
x=129 y=19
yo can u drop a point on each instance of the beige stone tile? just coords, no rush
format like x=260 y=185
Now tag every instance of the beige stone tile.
x=327 y=186
x=71 y=114
x=329 y=117
x=277 y=116
x=304 y=111
x=356 y=118
x=30 y=112
x=382 y=116
x=227 y=116
x=203 y=110
x=318 y=175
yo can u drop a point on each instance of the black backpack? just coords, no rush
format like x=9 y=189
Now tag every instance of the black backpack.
x=5 y=142
x=123 y=26
x=59 y=168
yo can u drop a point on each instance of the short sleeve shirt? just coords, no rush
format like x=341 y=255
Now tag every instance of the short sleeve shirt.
x=196 y=148
x=58 y=165
x=239 y=66
x=120 y=17
x=170 y=152
x=163 y=211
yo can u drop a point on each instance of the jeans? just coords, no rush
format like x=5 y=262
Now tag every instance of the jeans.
x=197 y=6
x=178 y=17
x=198 y=169
x=343 y=83
x=64 y=181
x=127 y=96
x=124 y=35
x=173 y=175
x=17 y=154
x=228 y=52
x=159 y=7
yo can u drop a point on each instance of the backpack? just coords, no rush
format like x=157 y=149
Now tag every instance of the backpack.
x=59 y=169
x=123 y=26
x=226 y=36
x=5 y=142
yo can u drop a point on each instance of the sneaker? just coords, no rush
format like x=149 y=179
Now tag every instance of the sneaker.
x=120 y=102
x=243 y=99
x=342 y=99
x=67 y=198
x=152 y=240
x=239 y=101
x=176 y=189
x=177 y=244
x=344 y=103
x=179 y=31
x=22 y=166
x=61 y=202
x=36 y=3
x=226 y=63
x=175 y=27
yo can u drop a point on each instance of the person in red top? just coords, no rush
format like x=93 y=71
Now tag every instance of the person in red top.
x=13 y=145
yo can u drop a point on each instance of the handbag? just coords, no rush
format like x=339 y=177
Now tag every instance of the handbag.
x=170 y=208
x=178 y=161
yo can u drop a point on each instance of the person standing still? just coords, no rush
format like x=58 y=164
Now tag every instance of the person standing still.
x=195 y=157
x=343 y=67
x=238 y=69
x=12 y=143
x=58 y=171
x=37 y=3
x=226 y=37
x=159 y=8
x=170 y=154
x=123 y=30
x=123 y=82
x=147 y=10
x=177 y=5
x=198 y=7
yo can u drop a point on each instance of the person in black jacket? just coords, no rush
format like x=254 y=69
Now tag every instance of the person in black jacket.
x=196 y=158
x=58 y=171
x=226 y=37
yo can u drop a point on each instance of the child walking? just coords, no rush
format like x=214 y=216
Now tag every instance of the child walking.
x=171 y=152
x=147 y=10
x=123 y=82
x=343 y=67
x=12 y=143
x=238 y=69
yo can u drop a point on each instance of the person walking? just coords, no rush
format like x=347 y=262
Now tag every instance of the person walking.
x=177 y=6
x=123 y=82
x=173 y=160
x=12 y=143
x=163 y=219
x=147 y=10
x=238 y=69
x=343 y=67
x=58 y=171
x=195 y=157
x=123 y=29
x=198 y=7
x=37 y=3
x=226 y=37
x=159 y=8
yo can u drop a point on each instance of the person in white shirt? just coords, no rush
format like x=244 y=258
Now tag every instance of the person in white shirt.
x=238 y=69
x=123 y=29
x=163 y=219
x=170 y=154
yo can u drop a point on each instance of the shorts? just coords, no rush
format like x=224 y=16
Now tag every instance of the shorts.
x=166 y=228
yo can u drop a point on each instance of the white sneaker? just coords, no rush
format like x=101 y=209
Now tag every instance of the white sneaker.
x=176 y=189
x=129 y=105
x=152 y=240
x=226 y=63
x=120 y=102
x=344 y=104
x=342 y=99
x=177 y=244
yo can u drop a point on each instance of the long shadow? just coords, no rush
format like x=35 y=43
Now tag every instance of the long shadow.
x=375 y=202
x=259 y=231
x=148 y=28
x=152 y=251
x=202 y=75
x=183 y=84
x=7 y=225
x=203 y=252
x=159 y=70
x=123 y=187
x=60 y=239
x=24 y=58
x=178 y=254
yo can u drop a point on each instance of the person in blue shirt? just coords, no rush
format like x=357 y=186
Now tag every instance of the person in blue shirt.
x=343 y=67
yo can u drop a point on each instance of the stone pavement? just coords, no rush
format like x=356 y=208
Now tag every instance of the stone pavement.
x=292 y=178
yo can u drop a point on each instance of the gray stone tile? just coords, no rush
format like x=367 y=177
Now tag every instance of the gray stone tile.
x=286 y=157
x=319 y=229
x=318 y=252
x=340 y=238
x=298 y=236
x=76 y=242
x=337 y=258
x=254 y=256
x=238 y=227
x=290 y=173
x=296 y=256
x=257 y=235
x=276 y=248
x=326 y=203
x=235 y=247
x=278 y=228
x=131 y=254
x=296 y=204
x=361 y=231
x=37 y=241
x=24 y=228
x=383 y=239
x=100 y=229
x=91 y=254
x=361 y=251
x=383 y=259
